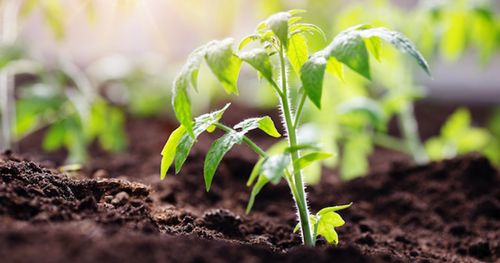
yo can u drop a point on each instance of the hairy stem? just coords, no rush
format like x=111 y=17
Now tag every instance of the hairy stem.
x=298 y=184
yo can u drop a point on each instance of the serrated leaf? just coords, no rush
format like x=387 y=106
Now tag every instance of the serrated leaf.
x=278 y=23
x=274 y=167
x=201 y=124
x=168 y=152
x=182 y=104
x=326 y=227
x=255 y=191
x=399 y=41
x=224 y=63
x=349 y=48
x=312 y=73
x=263 y=123
x=310 y=158
x=214 y=155
x=259 y=59
x=297 y=52
x=333 y=208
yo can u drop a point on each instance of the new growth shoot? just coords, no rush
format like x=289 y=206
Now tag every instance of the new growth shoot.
x=282 y=44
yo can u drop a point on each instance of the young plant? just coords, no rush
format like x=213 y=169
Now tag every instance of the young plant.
x=282 y=39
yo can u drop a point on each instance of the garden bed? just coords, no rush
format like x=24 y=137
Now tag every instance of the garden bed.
x=117 y=209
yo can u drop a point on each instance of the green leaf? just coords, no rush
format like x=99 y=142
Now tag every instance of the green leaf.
x=458 y=122
x=224 y=63
x=168 y=152
x=182 y=104
x=214 y=155
x=297 y=52
x=265 y=124
x=399 y=41
x=201 y=124
x=278 y=23
x=312 y=74
x=255 y=172
x=259 y=59
x=274 y=167
x=255 y=191
x=333 y=209
x=335 y=68
x=373 y=45
x=349 y=48
x=326 y=227
x=310 y=158
x=192 y=66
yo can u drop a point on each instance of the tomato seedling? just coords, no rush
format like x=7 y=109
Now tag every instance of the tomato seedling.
x=282 y=39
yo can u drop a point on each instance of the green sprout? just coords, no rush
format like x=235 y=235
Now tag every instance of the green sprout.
x=281 y=44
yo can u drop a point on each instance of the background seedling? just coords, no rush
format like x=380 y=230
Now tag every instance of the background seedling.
x=282 y=39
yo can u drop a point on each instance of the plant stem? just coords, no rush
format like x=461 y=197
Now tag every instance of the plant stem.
x=390 y=142
x=246 y=140
x=409 y=128
x=298 y=184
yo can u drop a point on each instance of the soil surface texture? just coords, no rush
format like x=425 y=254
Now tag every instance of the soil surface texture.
x=117 y=210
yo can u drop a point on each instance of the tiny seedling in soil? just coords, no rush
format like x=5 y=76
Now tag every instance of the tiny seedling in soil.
x=282 y=39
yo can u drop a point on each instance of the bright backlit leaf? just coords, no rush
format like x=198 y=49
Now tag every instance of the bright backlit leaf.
x=278 y=23
x=168 y=152
x=265 y=124
x=297 y=52
x=224 y=63
x=327 y=223
x=202 y=123
x=310 y=158
x=259 y=59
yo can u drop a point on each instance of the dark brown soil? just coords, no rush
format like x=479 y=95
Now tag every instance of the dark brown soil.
x=117 y=210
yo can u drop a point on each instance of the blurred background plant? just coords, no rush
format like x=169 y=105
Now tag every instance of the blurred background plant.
x=125 y=52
